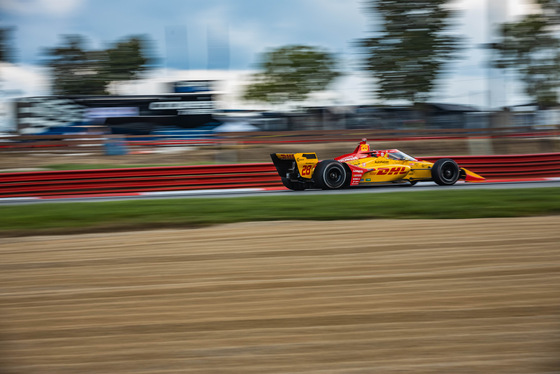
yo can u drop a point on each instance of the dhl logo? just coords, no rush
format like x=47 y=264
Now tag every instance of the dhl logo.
x=286 y=156
x=391 y=171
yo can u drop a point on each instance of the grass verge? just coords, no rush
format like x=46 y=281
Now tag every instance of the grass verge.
x=62 y=218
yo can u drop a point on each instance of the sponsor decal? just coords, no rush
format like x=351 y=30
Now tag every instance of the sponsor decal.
x=381 y=162
x=192 y=86
x=102 y=113
x=184 y=107
x=306 y=157
x=37 y=114
x=357 y=175
x=285 y=156
x=391 y=171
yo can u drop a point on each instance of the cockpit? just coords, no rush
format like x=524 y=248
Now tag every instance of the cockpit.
x=395 y=154
x=363 y=150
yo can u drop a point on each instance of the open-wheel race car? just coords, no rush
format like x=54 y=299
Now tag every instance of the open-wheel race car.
x=364 y=166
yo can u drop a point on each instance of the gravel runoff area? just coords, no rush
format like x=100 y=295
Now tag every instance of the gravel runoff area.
x=371 y=296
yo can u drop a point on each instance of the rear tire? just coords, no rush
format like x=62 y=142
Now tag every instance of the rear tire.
x=330 y=175
x=445 y=172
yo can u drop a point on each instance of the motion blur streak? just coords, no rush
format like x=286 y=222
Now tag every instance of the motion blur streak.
x=421 y=296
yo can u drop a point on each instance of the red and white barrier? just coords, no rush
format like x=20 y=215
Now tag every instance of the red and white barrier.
x=129 y=181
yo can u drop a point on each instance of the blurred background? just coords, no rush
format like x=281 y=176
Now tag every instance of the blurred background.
x=103 y=84
x=191 y=70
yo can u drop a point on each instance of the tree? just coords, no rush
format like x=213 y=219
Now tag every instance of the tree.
x=79 y=71
x=76 y=71
x=290 y=73
x=127 y=59
x=531 y=48
x=6 y=47
x=408 y=52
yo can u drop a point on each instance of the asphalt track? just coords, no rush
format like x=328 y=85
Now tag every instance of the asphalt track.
x=248 y=192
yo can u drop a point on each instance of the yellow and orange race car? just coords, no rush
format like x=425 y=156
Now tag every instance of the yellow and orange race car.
x=364 y=166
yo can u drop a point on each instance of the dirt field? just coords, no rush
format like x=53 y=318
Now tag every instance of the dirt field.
x=418 y=296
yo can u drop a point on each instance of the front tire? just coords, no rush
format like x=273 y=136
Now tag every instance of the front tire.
x=330 y=175
x=445 y=172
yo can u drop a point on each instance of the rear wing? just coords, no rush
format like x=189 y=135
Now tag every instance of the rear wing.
x=293 y=165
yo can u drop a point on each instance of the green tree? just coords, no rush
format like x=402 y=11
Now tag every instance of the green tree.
x=6 y=47
x=531 y=48
x=79 y=71
x=75 y=70
x=408 y=51
x=290 y=73
x=127 y=59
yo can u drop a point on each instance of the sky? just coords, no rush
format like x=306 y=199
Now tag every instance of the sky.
x=238 y=31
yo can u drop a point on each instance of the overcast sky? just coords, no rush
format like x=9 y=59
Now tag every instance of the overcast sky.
x=250 y=26
x=182 y=31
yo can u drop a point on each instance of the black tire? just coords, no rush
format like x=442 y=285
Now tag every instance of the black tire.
x=445 y=172
x=296 y=186
x=330 y=175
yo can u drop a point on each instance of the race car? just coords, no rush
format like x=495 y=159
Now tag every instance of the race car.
x=364 y=166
